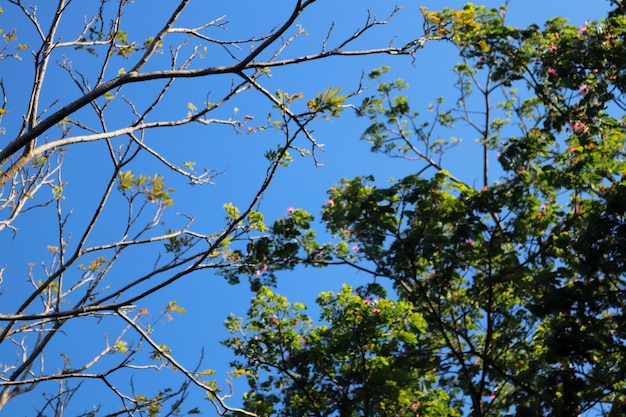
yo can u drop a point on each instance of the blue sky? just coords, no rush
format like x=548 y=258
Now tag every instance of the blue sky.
x=206 y=297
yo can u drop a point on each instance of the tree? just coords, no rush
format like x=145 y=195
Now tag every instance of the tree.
x=85 y=163
x=372 y=357
x=519 y=280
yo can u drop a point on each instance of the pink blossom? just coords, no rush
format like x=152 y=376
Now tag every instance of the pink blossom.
x=552 y=72
x=583 y=89
x=582 y=29
x=553 y=47
x=578 y=127
x=330 y=202
x=356 y=248
x=468 y=241
x=290 y=210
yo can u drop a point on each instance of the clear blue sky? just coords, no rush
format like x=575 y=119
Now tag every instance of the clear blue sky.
x=206 y=297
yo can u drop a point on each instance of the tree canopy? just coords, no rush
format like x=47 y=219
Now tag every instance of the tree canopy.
x=517 y=283
x=500 y=295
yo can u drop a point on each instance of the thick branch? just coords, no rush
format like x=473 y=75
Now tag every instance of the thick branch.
x=131 y=78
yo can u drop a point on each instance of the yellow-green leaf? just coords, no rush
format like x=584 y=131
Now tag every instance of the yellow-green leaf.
x=121 y=346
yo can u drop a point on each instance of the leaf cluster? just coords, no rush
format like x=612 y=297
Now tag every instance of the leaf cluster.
x=370 y=357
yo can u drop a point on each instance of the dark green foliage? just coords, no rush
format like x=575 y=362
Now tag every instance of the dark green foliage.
x=519 y=283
